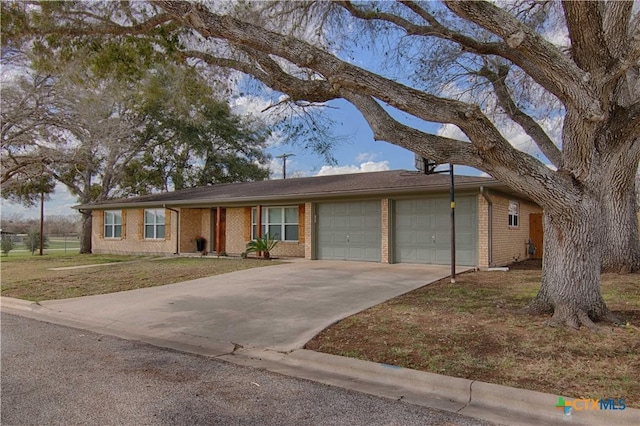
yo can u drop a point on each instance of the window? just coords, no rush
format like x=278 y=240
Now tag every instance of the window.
x=113 y=224
x=514 y=211
x=281 y=223
x=154 y=224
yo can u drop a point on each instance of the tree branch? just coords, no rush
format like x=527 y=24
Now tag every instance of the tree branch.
x=434 y=29
x=106 y=29
x=617 y=16
x=338 y=74
x=540 y=59
x=438 y=148
x=271 y=74
x=442 y=149
x=588 y=46
x=528 y=124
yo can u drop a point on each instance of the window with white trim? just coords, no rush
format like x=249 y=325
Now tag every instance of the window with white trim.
x=281 y=223
x=154 y=224
x=514 y=213
x=113 y=224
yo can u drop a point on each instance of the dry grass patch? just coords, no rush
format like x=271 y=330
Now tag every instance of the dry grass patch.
x=472 y=329
x=32 y=278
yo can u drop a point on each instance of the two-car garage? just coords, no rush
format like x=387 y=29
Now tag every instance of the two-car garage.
x=419 y=230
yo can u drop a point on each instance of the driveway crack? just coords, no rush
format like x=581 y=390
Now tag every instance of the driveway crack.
x=470 y=397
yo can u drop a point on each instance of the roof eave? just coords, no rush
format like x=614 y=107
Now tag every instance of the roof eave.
x=292 y=197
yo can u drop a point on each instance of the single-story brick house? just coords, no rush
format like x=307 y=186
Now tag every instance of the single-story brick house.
x=390 y=217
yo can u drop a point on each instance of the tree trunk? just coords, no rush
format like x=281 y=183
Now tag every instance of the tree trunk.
x=619 y=210
x=571 y=269
x=85 y=234
x=622 y=239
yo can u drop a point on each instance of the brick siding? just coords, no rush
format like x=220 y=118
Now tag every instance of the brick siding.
x=133 y=242
x=509 y=243
x=385 y=226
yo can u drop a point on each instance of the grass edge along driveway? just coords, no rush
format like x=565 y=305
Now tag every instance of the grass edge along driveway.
x=32 y=278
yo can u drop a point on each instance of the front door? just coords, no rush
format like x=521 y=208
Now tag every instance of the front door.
x=536 y=235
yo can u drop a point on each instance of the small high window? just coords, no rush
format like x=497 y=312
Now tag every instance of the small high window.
x=154 y=224
x=514 y=213
x=113 y=224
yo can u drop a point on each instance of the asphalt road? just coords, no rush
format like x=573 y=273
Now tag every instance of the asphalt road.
x=59 y=375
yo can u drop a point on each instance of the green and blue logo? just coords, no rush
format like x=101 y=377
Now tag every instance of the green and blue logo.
x=584 y=404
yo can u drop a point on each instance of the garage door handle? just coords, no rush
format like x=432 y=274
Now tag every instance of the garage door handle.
x=347 y=237
x=433 y=239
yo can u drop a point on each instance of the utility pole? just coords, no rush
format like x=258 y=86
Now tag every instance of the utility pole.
x=452 y=200
x=41 y=223
x=284 y=163
x=428 y=167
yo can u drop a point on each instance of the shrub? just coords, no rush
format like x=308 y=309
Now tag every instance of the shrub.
x=264 y=245
x=6 y=244
x=32 y=241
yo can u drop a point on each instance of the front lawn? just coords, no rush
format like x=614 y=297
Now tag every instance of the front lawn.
x=472 y=329
x=32 y=278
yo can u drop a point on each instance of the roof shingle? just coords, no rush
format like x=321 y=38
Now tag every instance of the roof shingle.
x=308 y=188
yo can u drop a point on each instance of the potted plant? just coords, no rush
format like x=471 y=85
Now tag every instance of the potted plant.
x=201 y=243
x=264 y=245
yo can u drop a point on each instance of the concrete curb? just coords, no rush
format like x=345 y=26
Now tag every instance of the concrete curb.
x=11 y=303
x=486 y=401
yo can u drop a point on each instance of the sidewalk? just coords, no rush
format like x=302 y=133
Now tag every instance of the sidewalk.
x=486 y=401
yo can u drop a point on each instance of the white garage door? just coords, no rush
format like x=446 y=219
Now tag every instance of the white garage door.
x=349 y=231
x=422 y=235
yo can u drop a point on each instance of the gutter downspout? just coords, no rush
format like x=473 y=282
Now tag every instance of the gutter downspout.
x=485 y=195
x=177 y=227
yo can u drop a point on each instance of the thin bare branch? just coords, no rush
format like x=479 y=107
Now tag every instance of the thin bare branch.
x=526 y=122
x=545 y=63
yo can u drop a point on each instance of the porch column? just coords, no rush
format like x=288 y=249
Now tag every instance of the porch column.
x=259 y=225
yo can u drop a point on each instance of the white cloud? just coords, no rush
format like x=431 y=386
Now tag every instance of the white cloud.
x=275 y=168
x=366 y=156
x=369 y=166
x=452 y=131
x=254 y=106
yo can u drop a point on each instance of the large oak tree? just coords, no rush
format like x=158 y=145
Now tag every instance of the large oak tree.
x=300 y=49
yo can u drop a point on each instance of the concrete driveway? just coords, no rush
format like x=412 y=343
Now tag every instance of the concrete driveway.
x=277 y=307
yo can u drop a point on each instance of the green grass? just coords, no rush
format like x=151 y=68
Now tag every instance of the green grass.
x=61 y=244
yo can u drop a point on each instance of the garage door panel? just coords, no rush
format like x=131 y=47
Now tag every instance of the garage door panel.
x=349 y=231
x=421 y=231
x=357 y=238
